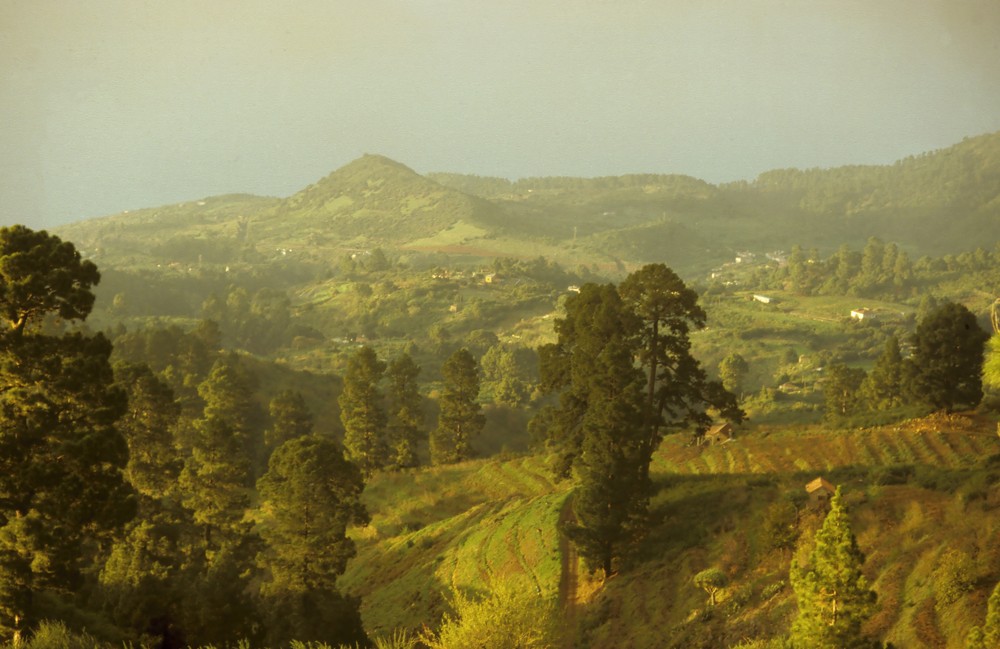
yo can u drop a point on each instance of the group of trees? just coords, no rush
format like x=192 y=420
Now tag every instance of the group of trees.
x=624 y=376
x=880 y=269
x=385 y=430
x=943 y=372
x=381 y=430
x=119 y=497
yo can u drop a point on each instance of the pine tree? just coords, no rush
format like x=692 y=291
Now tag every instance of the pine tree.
x=612 y=412
x=154 y=463
x=883 y=388
x=833 y=596
x=41 y=274
x=461 y=417
x=406 y=416
x=62 y=488
x=213 y=482
x=594 y=317
x=677 y=389
x=611 y=501
x=290 y=419
x=841 y=391
x=362 y=411
x=228 y=395
x=309 y=496
x=948 y=356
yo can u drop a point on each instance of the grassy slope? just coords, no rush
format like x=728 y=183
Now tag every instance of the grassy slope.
x=469 y=525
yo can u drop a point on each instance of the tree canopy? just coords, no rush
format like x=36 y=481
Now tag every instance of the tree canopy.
x=948 y=357
x=41 y=274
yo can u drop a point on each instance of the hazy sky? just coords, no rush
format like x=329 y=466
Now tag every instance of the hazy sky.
x=108 y=105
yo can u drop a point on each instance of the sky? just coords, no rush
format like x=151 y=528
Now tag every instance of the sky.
x=112 y=105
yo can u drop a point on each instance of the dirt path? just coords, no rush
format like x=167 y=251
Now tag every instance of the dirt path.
x=569 y=579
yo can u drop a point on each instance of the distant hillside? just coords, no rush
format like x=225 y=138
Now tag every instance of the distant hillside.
x=934 y=203
x=373 y=201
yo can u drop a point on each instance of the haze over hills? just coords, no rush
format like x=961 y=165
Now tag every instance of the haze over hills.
x=684 y=222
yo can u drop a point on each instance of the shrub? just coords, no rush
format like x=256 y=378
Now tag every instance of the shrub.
x=506 y=617
x=954 y=576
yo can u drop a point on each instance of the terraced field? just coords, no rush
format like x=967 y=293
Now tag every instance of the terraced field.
x=950 y=441
x=470 y=526
x=463 y=527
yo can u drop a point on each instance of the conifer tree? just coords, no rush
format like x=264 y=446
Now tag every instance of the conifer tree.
x=310 y=495
x=406 y=416
x=841 y=391
x=62 y=489
x=611 y=501
x=290 y=419
x=833 y=595
x=41 y=274
x=362 y=411
x=154 y=463
x=461 y=417
x=948 y=356
x=613 y=411
x=883 y=388
x=570 y=367
x=677 y=390
x=228 y=395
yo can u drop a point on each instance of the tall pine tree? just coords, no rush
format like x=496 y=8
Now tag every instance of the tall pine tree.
x=62 y=490
x=362 y=411
x=833 y=594
x=461 y=417
x=310 y=495
x=406 y=416
x=611 y=501
x=948 y=357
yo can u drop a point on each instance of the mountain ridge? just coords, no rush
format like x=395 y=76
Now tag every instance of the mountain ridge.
x=691 y=224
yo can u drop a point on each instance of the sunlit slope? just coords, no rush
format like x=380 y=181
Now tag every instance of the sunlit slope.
x=916 y=490
x=463 y=527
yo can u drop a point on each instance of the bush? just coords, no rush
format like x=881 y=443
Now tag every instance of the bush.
x=895 y=474
x=506 y=617
x=954 y=577
x=56 y=635
x=772 y=589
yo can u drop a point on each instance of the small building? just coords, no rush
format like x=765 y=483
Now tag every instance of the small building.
x=820 y=491
x=718 y=434
x=763 y=299
x=862 y=314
